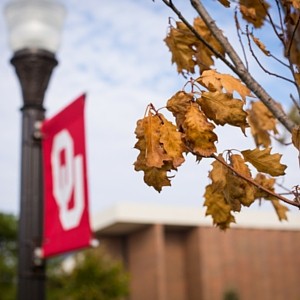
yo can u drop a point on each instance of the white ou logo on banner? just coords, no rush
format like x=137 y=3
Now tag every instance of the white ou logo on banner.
x=67 y=178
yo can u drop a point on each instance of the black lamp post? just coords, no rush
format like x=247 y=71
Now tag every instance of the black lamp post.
x=34 y=28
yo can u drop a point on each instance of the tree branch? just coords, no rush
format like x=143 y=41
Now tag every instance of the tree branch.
x=251 y=181
x=241 y=70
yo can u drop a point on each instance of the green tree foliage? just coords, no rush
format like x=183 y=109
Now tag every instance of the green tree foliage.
x=95 y=277
x=8 y=260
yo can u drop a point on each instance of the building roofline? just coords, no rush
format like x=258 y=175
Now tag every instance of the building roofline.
x=127 y=216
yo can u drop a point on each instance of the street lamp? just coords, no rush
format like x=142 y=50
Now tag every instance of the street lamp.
x=34 y=34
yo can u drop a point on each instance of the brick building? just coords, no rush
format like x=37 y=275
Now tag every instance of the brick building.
x=174 y=253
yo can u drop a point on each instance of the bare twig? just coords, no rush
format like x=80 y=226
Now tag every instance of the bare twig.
x=260 y=64
x=279 y=35
x=280 y=16
x=238 y=28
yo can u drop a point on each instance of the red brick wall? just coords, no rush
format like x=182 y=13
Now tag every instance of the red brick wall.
x=203 y=263
x=257 y=264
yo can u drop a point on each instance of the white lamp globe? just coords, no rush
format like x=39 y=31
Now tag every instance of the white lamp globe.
x=34 y=24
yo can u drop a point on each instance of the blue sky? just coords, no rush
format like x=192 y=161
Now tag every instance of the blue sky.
x=114 y=51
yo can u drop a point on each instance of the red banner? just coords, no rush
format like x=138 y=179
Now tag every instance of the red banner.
x=66 y=211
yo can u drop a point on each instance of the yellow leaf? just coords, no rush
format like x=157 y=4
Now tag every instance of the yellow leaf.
x=155 y=154
x=198 y=132
x=244 y=190
x=254 y=12
x=226 y=3
x=179 y=105
x=280 y=209
x=265 y=162
x=296 y=137
x=260 y=45
x=265 y=182
x=215 y=81
x=204 y=56
x=179 y=41
x=218 y=174
x=155 y=177
x=261 y=121
x=218 y=208
x=223 y=109
x=172 y=142
x=296 y=4
x=268 y=183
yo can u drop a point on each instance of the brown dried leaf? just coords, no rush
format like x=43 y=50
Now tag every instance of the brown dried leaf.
x=280 y=209
x=218 y=174
x=268 y=183
x=155 y=177
x=180 y=41
x=203 y=55
x=179 y=105
x=245 y=190
x=198 y=132
x=265 y=182
x=260 y=45
x=217 y=207
x=296 y=137
x=265 y=162
x=261 y=121
x=225 y=3
x=215 y=81
x=223 y=109
x=154 y=153
x=172 y=142
x=254 y=12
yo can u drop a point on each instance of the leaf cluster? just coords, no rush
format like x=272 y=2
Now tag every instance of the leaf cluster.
x=218 y=99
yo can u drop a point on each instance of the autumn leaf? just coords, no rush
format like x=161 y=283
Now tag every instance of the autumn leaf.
x=155 y=177
x=179 y=105
x=240 y=189
x=280 y=209
x=215 y=81
x=264 y=181
x=260 y=45
x=295 y=3
x=198 y=132
x=203 y=55
x=223 y=109
x=172 y=142
x=296 y=137
x=217 y=207
x=180 y=41
x=261 y=121
x=265 y=162
x=254 y=11
x=154 y=153
x=218 y=174
x=226 y=3
x=187 y=50
x=296 y=140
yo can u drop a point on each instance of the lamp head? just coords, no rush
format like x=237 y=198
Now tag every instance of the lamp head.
x=34 y=24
